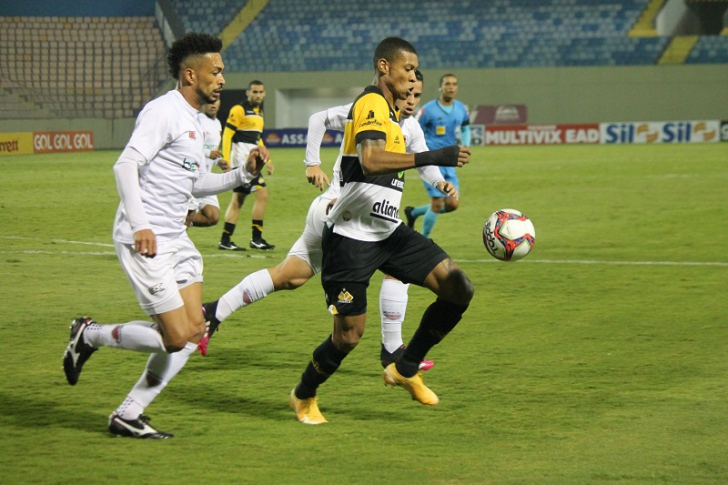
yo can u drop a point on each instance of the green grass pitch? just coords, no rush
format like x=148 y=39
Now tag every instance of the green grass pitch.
x=600 y=358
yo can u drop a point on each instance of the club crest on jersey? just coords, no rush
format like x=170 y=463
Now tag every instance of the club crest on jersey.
x=193 y=135
x=371 y=120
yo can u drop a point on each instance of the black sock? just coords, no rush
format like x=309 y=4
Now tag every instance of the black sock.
x=257 y=229
x=324 y=362
x=227 y=232
x=437 y=321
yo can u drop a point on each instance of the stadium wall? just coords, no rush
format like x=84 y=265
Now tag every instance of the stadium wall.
x=552 y=96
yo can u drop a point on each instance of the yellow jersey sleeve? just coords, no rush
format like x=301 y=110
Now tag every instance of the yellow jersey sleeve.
x=370 y=118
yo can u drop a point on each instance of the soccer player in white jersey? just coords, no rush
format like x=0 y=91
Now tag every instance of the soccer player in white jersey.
x=161 y=167
x=205 y=211
x=304 y=258
x=363 y=233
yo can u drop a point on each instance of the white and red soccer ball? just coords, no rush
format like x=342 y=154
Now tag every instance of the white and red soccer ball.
x=508 y=235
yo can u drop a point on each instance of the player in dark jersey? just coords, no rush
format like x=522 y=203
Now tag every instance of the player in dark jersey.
x=363 y=233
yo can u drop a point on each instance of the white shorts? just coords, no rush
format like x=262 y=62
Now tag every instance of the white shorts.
x=308 y=246
x=239 y=153
x=156 y=281
x=195 y=204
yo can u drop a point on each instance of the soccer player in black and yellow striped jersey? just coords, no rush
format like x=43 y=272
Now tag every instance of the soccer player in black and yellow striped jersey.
x=363 y=233
x=243 y=132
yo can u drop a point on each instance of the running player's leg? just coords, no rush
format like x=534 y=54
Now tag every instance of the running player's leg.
x=347 y=267
x=393 y=299
x=392 y=308
x=232 y=213
x=260 y=192
x=183 y=324
x=433 y=211
x=421 y=261
x=168 y=288
x=302 y=263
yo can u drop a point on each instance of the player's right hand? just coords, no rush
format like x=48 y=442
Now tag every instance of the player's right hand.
x=317 y=177
x=145 y=243
x=463 y=156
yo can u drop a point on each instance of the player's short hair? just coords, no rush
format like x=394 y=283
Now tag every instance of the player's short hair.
x=446 y=75
x=189 y=45
x=390 y=48
x=255 y=82
x=419 y=76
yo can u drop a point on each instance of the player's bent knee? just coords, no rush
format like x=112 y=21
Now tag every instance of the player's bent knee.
x=346 y=341
x=451 y=205
x=458 y=288
x=291 y=284
x=174 y=346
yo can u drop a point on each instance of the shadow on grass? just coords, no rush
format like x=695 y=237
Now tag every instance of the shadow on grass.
x=36 y=413
x=247 y=381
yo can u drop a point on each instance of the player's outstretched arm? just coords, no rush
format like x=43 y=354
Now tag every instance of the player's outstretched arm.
x=452 y=156
x=375 y=160
x=214 y=183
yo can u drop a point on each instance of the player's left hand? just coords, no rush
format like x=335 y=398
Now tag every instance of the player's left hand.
x=215 y=154
x=317 y=177
x=257 y=158
x=224 y=165
x=270 y=167
x=463 y=156
x=448 y=188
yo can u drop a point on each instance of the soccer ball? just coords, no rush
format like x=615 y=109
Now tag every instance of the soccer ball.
x=508 y=235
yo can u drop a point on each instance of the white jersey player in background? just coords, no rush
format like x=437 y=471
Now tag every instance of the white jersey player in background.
x=205 y=211
x=161 y=167
x=304 y=258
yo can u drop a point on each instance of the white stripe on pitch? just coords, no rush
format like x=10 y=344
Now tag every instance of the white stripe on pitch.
x=459 y=261
x=269 y=256
x=576 y=261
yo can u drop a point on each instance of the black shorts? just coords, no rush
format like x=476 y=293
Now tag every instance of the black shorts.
x=348 y=265
x=246 y=189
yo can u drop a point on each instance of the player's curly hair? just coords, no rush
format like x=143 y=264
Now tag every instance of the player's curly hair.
x=390 y=49
x=191 y=44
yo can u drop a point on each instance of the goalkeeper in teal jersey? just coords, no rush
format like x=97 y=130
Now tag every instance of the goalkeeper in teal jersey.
x=440 y=120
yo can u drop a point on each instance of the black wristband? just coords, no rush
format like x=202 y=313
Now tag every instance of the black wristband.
x=445 y=157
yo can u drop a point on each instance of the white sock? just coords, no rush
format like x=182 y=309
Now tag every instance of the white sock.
x=253 y=288
x=392 y=308
x=137 y=335
x=161 y=368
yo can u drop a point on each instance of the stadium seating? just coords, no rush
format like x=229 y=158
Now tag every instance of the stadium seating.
x=110 y=66
x=71 y=67
x=500 y=33
x=709 y=49
x=209 y=17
